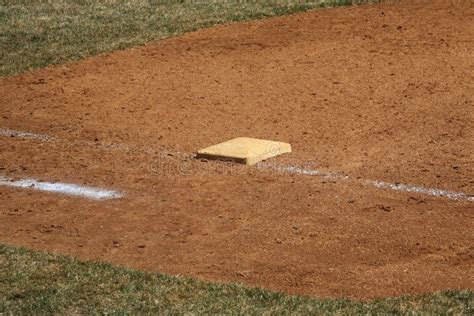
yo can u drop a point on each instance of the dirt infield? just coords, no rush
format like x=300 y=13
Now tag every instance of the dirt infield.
x=381 y=92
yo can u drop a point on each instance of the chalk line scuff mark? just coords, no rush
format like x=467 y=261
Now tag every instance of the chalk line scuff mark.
x=12 y=133
x=401 y=187
x=106 y=146
x=421 y=190
x=62 y=188
x=302 y=171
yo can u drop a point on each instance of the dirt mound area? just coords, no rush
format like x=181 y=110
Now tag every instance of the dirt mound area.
x=381 y=92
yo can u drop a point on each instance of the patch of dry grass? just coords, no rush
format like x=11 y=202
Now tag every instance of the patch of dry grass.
x=37 y=33
x=38 y=283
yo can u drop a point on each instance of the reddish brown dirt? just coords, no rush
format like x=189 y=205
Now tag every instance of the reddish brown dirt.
x=378 y=91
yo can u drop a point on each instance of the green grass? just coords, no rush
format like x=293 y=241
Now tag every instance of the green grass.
x=36 y=282
x=37 y=33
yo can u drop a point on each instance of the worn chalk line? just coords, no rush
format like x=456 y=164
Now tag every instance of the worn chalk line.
x=11 y=133
x=63 y=188
x=421 y=190
x=55 y=187
x=108 y=146
x=400 y=187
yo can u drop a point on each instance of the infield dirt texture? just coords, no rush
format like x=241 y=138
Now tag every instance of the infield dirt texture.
x=379 y=92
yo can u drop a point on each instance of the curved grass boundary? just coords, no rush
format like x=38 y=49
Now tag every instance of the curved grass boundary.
x=37 y=33
x=35 y=283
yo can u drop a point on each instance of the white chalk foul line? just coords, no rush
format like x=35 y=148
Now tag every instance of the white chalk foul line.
x=400 y=187
x=421 y=190
x=12 y=133
x=106 y=146
x=63 y=188
x=303 y=171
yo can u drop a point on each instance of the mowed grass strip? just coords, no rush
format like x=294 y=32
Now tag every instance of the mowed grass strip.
x=35 y=282
x=37 y=33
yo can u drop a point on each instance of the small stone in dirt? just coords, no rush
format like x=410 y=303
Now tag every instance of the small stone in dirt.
x=244 y=274
x=385 y=208
x=141 y=246
x=417 y=200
